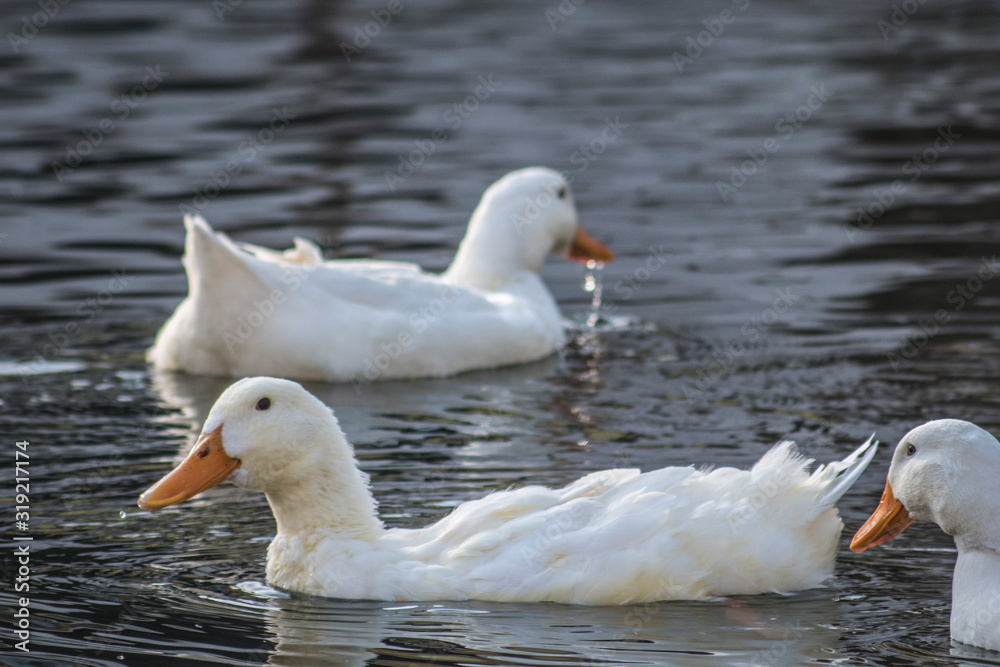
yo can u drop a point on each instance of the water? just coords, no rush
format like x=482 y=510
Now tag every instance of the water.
x=593 y=282
x=780 y=311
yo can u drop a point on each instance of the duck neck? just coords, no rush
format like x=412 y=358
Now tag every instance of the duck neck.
x=495 y=249
x=333 y=497
x=975 y=597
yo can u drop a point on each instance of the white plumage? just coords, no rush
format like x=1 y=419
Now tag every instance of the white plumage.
x=612 y=537
x=256 y=311
x=946 y=471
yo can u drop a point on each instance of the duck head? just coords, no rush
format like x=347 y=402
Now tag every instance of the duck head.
x=271 y=435
x=521 y=219
x=944 y=471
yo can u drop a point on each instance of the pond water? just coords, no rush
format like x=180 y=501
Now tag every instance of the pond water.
x=803 y=198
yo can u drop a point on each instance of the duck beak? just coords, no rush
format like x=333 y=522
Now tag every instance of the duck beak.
x=206 y=465
x=888 y=521
x=586 y=248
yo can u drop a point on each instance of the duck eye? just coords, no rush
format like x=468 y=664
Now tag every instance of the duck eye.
x=910 y=450
x=263 y=404
x=562 y=192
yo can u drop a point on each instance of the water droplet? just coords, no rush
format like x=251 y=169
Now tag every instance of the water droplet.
x=592 y=283
x=122 y=514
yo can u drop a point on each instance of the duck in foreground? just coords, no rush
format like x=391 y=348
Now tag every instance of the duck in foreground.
x=946 y=471
x=612 y=537
x=255 y=311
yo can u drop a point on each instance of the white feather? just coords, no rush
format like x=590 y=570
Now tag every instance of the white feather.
x=946 y=471
x=255 y=311
x=612 y=537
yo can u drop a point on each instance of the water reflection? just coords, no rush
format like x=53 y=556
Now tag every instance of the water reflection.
x=765 y=630
x=632 y=394
x=484 y=399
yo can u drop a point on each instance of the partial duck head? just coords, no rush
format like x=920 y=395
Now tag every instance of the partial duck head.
x=945 y=471
x=521 y=219
x=271 y=435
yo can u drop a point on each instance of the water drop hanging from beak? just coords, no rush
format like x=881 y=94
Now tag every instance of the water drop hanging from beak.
x=592 y=282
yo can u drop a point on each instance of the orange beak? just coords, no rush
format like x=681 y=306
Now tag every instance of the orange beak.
x=889 y=520
x=586 y=248
x=206 y=465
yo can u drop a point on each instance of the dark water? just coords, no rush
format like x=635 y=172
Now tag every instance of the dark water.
x=150 y=107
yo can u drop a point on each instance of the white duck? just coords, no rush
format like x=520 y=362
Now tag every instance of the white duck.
x=255 y=311
x=947 y=471
x=612 y=537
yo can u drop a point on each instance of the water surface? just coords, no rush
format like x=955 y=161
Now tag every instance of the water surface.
x=797 y=301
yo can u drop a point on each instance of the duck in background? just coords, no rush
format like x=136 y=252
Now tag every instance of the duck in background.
x=255 y=311
x=948 y=471
x=612 y=537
